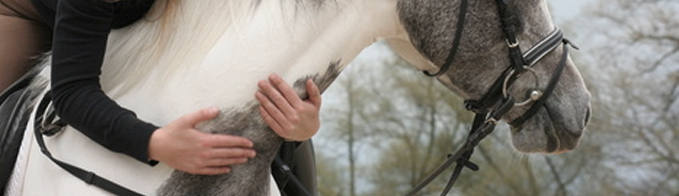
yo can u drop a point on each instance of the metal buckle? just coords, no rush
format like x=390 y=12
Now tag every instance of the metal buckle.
x=512 y=45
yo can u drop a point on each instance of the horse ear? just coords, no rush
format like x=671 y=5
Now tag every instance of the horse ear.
x=507 y=2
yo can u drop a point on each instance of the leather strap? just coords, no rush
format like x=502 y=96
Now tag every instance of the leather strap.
x=483 y=126
x=548 y=90
x=456 y=41
x=287 y=171
x=86 y=176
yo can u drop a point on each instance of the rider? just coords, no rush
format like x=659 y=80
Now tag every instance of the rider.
x=77 y=31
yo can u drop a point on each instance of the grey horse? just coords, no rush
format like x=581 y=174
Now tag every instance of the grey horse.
x=214 y=52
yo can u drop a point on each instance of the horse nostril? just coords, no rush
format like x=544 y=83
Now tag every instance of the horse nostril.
x=588 y=115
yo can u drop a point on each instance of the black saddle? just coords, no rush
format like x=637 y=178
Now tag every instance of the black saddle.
x=15 y=107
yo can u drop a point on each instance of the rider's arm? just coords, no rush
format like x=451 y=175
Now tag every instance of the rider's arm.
x=81 y=29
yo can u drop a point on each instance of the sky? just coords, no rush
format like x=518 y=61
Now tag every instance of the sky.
x=563 y=10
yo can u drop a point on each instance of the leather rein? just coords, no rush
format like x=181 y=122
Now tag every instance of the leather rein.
x=496 y=102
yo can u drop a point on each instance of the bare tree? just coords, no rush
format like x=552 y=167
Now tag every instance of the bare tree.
x=331 y=182
x=424 y=122
x=638 y=53
x=420 y=121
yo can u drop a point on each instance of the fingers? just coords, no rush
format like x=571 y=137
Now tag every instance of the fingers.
x=230 y=153
x=219 y=161
x=284 y=98
x=269 y=120
x=218 y=158
x=271 y=110
x=314 y=93
x=287 y=91
x=271 y=94
x=226 y=156
x=227 y=141
x=181 y=146
x=293 y=122
x=216 y=163
x=191 y=119
x=211 y=170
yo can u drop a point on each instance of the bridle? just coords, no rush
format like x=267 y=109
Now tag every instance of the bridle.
x=496 y=102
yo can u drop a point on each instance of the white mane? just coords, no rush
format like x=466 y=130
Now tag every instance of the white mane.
x=166 y=39
x=228 y=46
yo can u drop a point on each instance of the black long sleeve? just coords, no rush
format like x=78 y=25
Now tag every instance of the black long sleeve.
x=81 y=29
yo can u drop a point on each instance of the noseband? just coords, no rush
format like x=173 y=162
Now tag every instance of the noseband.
x=496 y=102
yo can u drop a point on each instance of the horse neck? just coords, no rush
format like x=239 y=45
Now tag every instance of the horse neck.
x=220 y=49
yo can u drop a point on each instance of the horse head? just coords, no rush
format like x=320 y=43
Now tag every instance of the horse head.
x=483 y=58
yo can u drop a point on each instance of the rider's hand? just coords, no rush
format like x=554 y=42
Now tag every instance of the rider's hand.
x=289 y=116
x=181 y=146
